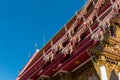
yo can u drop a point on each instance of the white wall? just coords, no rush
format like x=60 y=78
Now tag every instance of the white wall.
x=103 y=72
x=119 y=76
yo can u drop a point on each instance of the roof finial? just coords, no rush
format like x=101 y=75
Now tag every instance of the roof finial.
x=43 y=52
x=29 y=54
x=18 y=71
x=36 y=47
x=51 y=43
x=76 y=13
x=65 y=28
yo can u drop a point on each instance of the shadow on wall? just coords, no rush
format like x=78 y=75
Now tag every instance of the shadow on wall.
x=113 y=76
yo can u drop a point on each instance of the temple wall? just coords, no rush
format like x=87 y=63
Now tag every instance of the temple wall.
x=107 y=52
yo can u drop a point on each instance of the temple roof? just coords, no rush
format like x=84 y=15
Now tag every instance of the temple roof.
x=55 y=39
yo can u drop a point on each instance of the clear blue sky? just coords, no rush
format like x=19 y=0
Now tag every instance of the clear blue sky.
x=24 y=22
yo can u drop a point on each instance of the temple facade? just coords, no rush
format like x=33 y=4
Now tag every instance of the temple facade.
x=86 y=48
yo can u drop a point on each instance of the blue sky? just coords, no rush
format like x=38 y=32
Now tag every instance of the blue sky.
x=24 y=22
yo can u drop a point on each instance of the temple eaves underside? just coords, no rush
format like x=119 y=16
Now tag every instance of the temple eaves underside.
x=86 y=46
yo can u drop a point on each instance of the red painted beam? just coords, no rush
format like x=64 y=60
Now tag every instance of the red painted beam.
x=104 y=9
x=77 y=60
x=51 y=69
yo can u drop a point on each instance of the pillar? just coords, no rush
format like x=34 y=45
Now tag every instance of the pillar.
x=103 y=73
